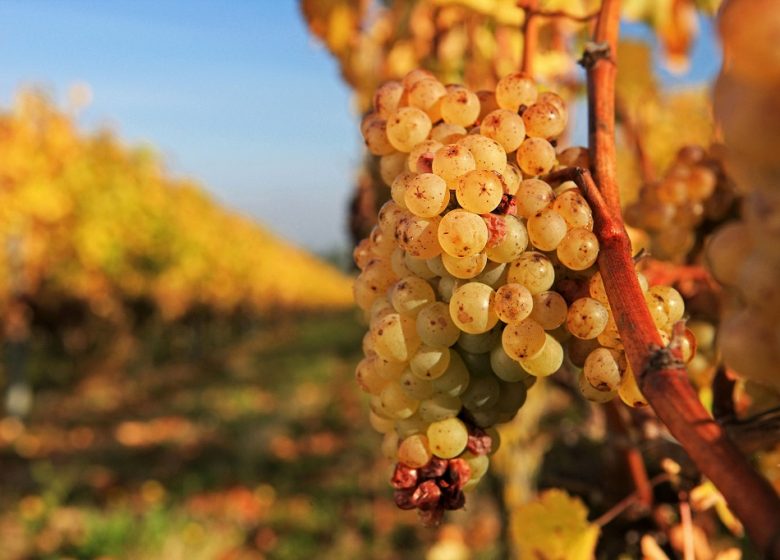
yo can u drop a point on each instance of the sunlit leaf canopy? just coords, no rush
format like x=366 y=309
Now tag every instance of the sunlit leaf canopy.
x=85 y=217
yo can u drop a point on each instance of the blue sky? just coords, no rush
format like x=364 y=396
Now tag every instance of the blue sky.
x=234 y=94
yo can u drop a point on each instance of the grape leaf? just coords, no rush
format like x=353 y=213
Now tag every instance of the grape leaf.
x=555 y=527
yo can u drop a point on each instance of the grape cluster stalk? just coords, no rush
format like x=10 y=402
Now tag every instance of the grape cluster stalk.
x=479 y=278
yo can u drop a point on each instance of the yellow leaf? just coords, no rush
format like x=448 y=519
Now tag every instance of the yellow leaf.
x=555 y=527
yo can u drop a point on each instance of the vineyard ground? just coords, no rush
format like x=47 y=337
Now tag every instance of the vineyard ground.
x=257 y=450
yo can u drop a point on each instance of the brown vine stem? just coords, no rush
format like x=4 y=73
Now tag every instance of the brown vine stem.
x=600 y=61
x=664 y=382
x=632 y=130
x=530 y=36
x=631 y=454
x=660 y=372
x=628 y=501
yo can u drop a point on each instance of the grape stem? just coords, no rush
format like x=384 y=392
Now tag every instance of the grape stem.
x=631 y=454
x=600 y=61
x=632 y=131
x=661 y=375
x=629 y=501
x=531 y=33
x=663 y=381
x=530 y=36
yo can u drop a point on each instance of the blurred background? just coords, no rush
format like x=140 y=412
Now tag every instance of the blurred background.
x=180 y=186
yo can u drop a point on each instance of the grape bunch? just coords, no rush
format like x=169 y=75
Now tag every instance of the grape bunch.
x=673 y=211
x=478 y=279
x=744 y=255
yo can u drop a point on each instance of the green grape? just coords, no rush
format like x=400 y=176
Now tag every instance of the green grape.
x=512 y=245
x=547 y=361
x=395 y=337
x=435 y=326
x=452 y=161
x=482 y=392
x=399 y=187
x=460 y=106
x=396 y=402
x=602 y=370
x=430 y=362
x=480 y=343
x=455 y=379
x=447 y=438
x=494 y=274
x=447 y=286
x=478 y=465
x=655 y=304
x=426 y=194
x=391 y=166
x=506 y=368
x=593 y=394
x=579 y=249
x=533 y=196
x=414 y=451
x=368 y=378
x=556 y=101
x=512 y=178
x=439 y=407
x=673 y=303
x=414 y=387
x=546 y=229
x=727 y=250
x=511 y=399
x=513 y=303
x=523 y=339
x=466 y=267
x=381 y=244
x=543 y=120
x=485 y=417
x=629 y=391
x=389 y=447
x=471 y=308
x=381 y=425
x=407 y=127
x=418 y=267
x=367 y=345
x=398 y=263
x=436 y=266
x=479 y=191
x=535 y=156
x=487 y=103
x=406 y=427
x=446 y=133
x=387 y=98
x=488 y=154
x=515 y=90
x=587 y=318
x=414 y=76
x=420 y=159
x=477 y=364
x=462 y=233
x=426 y=94
x=504 y=127
x=389 y=369
x=410 y=294
x=419 y=236
x=375 y=135
x=549 y=310
x=534 y=271
x=573 y=208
